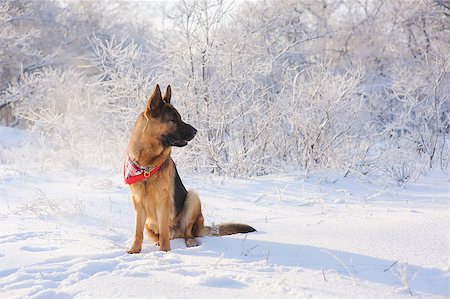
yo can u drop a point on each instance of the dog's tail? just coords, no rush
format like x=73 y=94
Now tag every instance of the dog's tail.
x=226 y=229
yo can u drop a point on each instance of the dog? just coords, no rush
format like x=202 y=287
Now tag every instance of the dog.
x=161 y=202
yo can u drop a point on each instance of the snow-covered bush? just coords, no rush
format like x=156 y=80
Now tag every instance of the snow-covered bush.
x=410 y=121
x=422 y=97
x=322 y=117
x=79 y=119
x=62 y=111
x=18 y=38
x=125 y=75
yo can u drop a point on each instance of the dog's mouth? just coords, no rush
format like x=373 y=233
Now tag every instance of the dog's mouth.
x=179 y=143
x=171 y=141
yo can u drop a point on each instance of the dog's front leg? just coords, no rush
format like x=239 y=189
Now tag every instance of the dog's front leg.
x=138 y=230
x=163 y=214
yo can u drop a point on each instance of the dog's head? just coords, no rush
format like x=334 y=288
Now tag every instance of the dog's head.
x=165 y=120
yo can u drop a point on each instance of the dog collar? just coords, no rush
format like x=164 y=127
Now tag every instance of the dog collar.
x=133 y=173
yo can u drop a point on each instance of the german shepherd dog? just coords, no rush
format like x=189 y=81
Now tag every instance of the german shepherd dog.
x=162 y=204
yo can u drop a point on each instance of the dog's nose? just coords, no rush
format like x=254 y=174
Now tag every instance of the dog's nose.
x=193 y=131
x=190 y=132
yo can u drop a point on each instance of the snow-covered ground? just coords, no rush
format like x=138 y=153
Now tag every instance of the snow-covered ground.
x=65 y=235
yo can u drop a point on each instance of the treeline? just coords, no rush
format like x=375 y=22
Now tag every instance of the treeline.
x=272 y=86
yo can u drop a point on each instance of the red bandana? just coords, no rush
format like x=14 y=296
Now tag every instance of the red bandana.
x=133 y=173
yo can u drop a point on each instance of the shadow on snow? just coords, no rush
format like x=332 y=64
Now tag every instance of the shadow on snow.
x=355 y=266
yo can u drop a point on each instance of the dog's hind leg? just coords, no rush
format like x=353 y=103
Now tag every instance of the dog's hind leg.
x=191 y=216
x=151 y=234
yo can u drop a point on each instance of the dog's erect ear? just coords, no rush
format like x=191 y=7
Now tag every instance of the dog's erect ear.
x=167 y=94
x=155 y=100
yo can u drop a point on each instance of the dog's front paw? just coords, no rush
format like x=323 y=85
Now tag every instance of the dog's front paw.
x=164 y=246
x=134 y=249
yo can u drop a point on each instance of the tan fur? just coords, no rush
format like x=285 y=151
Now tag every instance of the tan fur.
x=153 y=197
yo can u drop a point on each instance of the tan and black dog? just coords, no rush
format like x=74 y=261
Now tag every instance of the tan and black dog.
x=162 y=204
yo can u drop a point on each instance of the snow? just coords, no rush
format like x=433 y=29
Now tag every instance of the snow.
x=10 y=137
x=65 y=234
